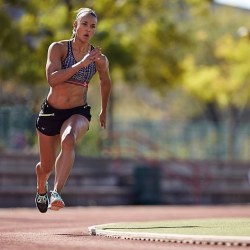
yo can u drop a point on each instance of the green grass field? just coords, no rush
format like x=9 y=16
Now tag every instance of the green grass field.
x=218 y=227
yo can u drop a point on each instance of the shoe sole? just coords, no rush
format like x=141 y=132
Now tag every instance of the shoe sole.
x=56 y=205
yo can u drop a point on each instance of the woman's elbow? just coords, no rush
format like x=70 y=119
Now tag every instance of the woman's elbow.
x=51 y=81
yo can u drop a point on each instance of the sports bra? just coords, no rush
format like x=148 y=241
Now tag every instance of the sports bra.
x=84 y=75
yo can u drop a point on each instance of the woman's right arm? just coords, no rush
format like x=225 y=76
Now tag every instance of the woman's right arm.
x=54 y=72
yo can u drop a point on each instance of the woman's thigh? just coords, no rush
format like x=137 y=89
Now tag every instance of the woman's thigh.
x=77 y=125
x=48 y=146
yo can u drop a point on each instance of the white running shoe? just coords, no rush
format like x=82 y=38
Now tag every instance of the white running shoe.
x=56 y=201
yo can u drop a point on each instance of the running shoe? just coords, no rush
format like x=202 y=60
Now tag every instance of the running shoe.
x=42 y=201
x=56 y=201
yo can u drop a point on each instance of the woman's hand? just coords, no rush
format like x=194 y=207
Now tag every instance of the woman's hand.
x=93 y=55
x=102 y=118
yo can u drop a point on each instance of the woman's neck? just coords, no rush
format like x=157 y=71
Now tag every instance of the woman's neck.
x=79 y=46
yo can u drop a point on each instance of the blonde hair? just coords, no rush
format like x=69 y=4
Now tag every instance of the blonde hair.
x=86 y=11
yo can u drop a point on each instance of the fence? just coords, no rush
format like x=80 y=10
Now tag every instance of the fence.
x=136 y=139
x=199 y=140
x=17 y=128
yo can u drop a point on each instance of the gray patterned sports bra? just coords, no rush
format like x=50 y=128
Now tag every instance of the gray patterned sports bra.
x=84 y=75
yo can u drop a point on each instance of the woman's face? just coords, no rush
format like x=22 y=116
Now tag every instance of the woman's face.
x=85 y=26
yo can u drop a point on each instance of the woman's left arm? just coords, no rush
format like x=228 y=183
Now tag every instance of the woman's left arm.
x=102 y=65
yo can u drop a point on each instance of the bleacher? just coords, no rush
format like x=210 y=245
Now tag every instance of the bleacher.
x=102 y=181
x=206 y=182
x=91 y=182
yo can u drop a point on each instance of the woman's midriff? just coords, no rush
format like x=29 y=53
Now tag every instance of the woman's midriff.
x=66 y=96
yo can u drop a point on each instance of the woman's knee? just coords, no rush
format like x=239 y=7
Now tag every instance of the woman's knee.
x=68 y=141
x=45 y=168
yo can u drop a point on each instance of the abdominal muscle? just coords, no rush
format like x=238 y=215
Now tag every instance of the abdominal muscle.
x=66 y=96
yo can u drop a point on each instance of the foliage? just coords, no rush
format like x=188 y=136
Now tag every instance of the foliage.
x=218 y=72
x=159 y=44
x=27 y=28
x=144 y=40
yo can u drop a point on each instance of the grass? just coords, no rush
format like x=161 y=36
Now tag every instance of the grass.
x=218 y=227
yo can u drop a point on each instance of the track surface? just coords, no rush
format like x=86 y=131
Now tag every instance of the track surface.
x=26 y=228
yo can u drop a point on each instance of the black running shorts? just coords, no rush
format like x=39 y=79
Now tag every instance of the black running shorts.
x=50 y=120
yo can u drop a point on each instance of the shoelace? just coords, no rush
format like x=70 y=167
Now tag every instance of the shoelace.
x=42 y=198
x=55 y=194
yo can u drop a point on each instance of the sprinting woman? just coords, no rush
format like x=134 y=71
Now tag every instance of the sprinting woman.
x=65 y=114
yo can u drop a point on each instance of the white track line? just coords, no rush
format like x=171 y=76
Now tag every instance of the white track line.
x=243 y=241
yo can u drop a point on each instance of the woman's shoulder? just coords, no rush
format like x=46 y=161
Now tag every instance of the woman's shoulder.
x=103 y=59
x=59 y=45
x=102 y=63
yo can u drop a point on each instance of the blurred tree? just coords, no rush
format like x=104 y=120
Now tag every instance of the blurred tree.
x=27 y=28
x=160 y=44
x=218 y=74
x=144 y=39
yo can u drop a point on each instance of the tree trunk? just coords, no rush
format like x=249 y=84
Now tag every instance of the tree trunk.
x=231 y=145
